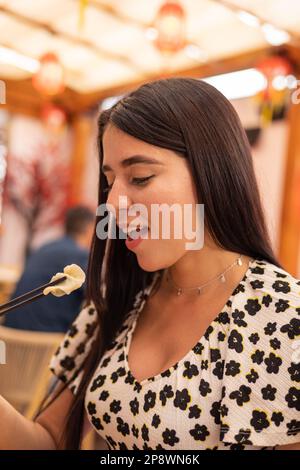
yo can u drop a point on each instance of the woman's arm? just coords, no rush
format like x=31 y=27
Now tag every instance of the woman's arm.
x=18 y=432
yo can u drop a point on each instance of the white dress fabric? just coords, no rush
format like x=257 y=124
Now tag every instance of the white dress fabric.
x=237 y=388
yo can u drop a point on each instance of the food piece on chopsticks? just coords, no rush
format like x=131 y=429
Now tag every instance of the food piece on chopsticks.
x=75 y=278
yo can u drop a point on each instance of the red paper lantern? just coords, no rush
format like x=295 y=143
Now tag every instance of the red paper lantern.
x=272 y=67
x=273 y=97
x=170 y=24
x=49 y=79
x=53 y=117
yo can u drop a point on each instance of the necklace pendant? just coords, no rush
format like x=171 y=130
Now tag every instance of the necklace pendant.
x=239 y=261
x=222 y=278
x=179 y=291
x=199 y=290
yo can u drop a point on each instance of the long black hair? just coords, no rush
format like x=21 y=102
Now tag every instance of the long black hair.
x=195 y=120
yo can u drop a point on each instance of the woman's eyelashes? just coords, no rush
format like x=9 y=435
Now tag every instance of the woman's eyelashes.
x=135 y=181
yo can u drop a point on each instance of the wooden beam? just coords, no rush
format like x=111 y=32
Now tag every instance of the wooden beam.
x=224 y=65
x=289 y=246
x=21 y=93
x=115 y=12
x=72 y=38
x=82 y=128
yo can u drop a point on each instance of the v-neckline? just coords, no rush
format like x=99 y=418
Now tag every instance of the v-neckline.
x=200 y=342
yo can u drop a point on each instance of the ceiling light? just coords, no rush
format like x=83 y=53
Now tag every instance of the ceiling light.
x=240 y=84
x=11 y=57
x=275 y=36
x=248 y=18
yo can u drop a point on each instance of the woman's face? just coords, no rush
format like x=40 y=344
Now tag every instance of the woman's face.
x=169 y=182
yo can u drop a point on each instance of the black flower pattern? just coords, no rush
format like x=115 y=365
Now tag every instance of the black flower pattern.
x=169 y=437
x=165 y=393
x=254 y=338
x=252 y=376
x=282 y=305
x=281 y=286
x=259 y=420
x=270 y=328
x=238 y=316
x=215 y=354
x=252 y=306
x=98 y=382
x=219 y=369
x=269 y=392
x=277 y=418
x=293 y=427
x=199 y=432
x=115 y=406
x=294 y=371
x=239 y=379
x=104 y=395
x=194 y=412
x=215 y=411
x=156 y=421
x=292 y=328
x=266 y=300
x=273 y=363
x=242 y=395
x=258 y=356
x=145 y=432
x=232 y=368
x=149 y=400
x=134 y=406
x=293 y=398
x=191 y=370
x=182 y=399
x=67 y=363
x=235 y=341
x=122 y=426
x=275 y=343
x=204 y=388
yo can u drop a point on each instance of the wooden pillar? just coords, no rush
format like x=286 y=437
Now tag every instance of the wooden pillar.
x=289 y=246
x=82 y=129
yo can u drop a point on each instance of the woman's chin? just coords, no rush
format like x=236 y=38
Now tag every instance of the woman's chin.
x=152 y=260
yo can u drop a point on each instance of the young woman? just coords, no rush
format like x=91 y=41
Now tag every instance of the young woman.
x=149 y=362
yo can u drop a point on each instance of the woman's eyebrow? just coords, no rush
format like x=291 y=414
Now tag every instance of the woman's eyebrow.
x=133 y=161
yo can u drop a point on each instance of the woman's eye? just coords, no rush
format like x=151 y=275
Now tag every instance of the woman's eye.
x=141 y=181
x=135 y=181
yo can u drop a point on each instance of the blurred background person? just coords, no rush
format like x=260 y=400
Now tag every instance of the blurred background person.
x=50 y=313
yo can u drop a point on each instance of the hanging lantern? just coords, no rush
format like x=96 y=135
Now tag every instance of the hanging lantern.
x=49 y=79
x=54 y=118
x=82 y=8
x=275 y=69
x=170 y=25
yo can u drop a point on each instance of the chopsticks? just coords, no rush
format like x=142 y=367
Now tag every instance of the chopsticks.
x=28 y=297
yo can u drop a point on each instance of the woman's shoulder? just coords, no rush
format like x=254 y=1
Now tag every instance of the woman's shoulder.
x=270 y=290
x=262 y=367
x=265 y=275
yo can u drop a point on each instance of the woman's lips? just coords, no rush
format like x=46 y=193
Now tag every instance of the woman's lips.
x=138 y=235
x=140 y=232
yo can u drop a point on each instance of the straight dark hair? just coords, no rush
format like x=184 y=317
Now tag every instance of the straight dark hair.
x=196 y=121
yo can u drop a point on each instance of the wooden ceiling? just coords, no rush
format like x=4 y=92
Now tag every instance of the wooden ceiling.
x=111 y=52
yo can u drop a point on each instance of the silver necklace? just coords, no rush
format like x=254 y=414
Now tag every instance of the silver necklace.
x=221 y=277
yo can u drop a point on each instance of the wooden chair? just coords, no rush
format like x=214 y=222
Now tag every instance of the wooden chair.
x=24 y=373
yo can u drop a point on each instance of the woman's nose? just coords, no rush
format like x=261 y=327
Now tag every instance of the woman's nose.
x=118 y=197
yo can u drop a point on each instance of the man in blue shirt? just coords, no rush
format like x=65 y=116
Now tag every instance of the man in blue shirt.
x=54 y=314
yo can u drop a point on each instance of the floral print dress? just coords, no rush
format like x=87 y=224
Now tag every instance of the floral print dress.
x=237 y=388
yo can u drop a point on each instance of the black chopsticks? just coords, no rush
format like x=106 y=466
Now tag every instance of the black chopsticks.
x=28 y=297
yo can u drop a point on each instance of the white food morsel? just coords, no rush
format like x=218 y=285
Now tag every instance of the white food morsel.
x=75 y=278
